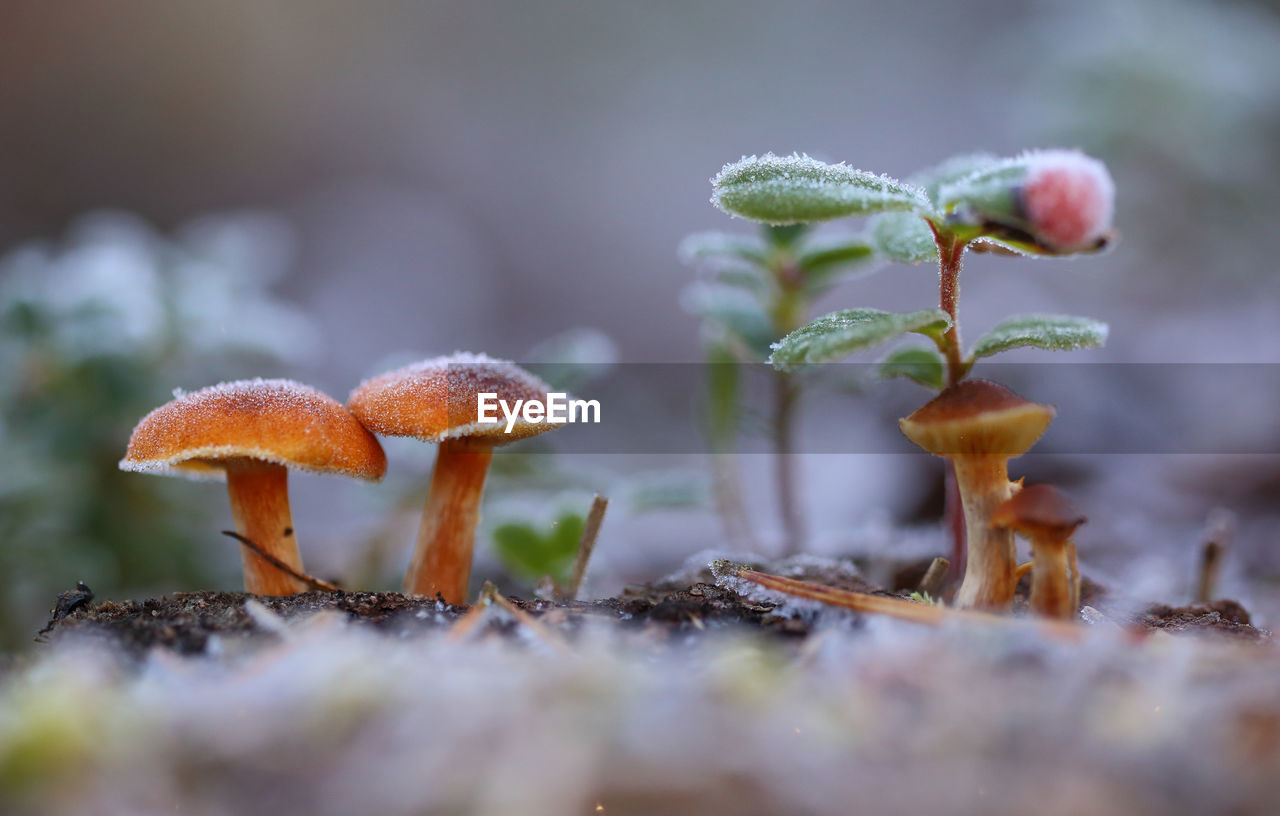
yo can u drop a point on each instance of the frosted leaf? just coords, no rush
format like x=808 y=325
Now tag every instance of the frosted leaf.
x=797 y=189
x=1047 y=202
x=949 y=171
x=903 y=237
x=1045 y=331
x=834 y=336
x=991 y=190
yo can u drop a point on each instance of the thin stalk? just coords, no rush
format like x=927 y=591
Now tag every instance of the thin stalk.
x=786 y=393
x=950 y=259
x=789 y=312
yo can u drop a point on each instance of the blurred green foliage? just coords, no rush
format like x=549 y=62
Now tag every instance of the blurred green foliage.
x=531 y=553
x=94 y=332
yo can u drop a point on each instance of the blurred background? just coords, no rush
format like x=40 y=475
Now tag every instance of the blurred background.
x=198 y=192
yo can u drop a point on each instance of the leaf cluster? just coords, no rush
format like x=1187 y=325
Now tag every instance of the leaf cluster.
x=972 y=200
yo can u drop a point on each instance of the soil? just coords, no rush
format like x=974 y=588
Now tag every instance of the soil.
x=200 y=622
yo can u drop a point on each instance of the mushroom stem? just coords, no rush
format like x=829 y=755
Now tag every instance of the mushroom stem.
x=442 y=558
x=989 y=571
x=1053 y=593
x=259 y=494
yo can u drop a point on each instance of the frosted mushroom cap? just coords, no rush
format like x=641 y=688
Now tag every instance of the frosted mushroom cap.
x=977 y=417
x=1041 y=511
x=437 y=399
x=279 y=421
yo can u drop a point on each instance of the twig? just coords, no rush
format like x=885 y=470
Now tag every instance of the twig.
x=929 y=615
x=309 y=580
x=489 y=595
x=934 y=577
x=586 y=546
x=1219 y=529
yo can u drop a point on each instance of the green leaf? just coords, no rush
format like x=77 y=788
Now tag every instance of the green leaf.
x=990 y=191
x=712 y=247
x=733 y=310
x=530 y=554
x=784 y=236
x=922 y=365
x=1054 y=332
x=904 y=237
x=950 y=171
x=836 y=335
x=835 y=254
x=797 y=189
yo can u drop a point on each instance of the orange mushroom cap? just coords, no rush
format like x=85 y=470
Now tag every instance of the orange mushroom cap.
x=1041 y=511
x=279 y=421
x=436 y=399
x=977 y=417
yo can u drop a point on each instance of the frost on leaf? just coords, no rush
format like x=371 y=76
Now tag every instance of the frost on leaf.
x=1042 y=202
x=903 y=237
x=838 y=334
x=932 y=179
x=797 y=189
x=1045 y=331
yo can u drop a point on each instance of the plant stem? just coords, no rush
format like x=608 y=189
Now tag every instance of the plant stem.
x=950 y=256
x=786 y=393
x=789 y=311
x=950 y=259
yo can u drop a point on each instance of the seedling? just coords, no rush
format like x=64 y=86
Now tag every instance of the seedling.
x=1038 y=204
x=755 y=292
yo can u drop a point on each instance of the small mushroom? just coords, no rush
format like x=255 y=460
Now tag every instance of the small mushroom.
x=979 y=426
x=250 y=433
x=437 y=401
x=1047 y=518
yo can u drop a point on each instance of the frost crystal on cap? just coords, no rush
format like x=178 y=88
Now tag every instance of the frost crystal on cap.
x=278 y=421
x=1069 y=198
x=436 y=399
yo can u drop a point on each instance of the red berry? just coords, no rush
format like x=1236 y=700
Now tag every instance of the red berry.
x=1069 y=198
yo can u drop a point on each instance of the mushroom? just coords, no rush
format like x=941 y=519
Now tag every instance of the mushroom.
x=251 y=432
x=979 y=426
x=1045 y=516
x=437 y=400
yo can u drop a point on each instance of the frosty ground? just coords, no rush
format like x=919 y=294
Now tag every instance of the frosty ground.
x=669 y=699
